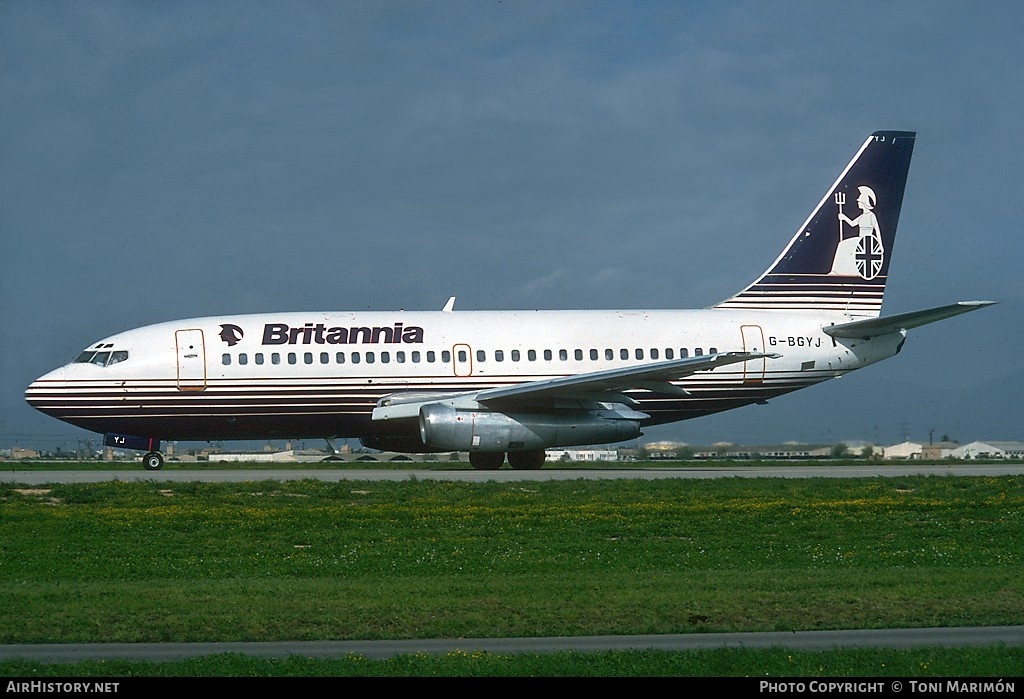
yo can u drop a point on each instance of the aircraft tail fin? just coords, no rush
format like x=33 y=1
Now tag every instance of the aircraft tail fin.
x=839 y=258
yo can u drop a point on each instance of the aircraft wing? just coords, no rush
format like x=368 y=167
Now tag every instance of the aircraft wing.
x=655 y=375
x=606 y=385
x=873 y=327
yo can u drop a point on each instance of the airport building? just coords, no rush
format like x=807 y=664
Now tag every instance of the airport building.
x=582 y=455
x=918 y=451
x=990 y=450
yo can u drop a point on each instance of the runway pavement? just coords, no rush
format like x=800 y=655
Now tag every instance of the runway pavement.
x=799 y=640
x=816 y=470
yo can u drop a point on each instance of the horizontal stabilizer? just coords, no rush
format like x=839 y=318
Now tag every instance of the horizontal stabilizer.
x=874 y=327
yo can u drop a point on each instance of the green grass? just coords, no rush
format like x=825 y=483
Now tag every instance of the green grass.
x=308 y=560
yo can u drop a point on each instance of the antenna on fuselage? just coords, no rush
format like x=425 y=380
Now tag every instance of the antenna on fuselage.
x=450 y=306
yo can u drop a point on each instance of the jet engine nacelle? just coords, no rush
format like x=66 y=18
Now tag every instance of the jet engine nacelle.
x=446 y=428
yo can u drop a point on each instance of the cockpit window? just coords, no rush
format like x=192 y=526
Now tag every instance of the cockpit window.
x=102 y=358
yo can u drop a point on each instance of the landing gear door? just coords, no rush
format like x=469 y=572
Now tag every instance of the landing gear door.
x=191 y=360
x=753 y=341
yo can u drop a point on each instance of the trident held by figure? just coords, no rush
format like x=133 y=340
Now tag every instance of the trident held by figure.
x=840 y=200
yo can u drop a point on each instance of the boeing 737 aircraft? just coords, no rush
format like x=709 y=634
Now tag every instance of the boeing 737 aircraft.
x=513 y=382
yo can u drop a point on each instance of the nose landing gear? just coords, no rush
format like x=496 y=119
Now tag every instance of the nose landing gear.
x=153 y=461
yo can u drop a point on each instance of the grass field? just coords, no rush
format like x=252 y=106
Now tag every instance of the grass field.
x=307 y=560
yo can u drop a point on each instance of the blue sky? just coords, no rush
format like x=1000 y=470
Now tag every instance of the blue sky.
x=169 y=160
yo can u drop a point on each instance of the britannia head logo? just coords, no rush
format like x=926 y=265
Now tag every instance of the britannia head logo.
x=231 y=334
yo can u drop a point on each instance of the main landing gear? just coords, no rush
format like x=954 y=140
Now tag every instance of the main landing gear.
x=530 y=460
x=153 y=461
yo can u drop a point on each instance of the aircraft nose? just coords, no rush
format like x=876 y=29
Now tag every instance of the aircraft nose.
x=41 y=393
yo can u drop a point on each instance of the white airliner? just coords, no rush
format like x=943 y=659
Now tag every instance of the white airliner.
x=512 y=382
